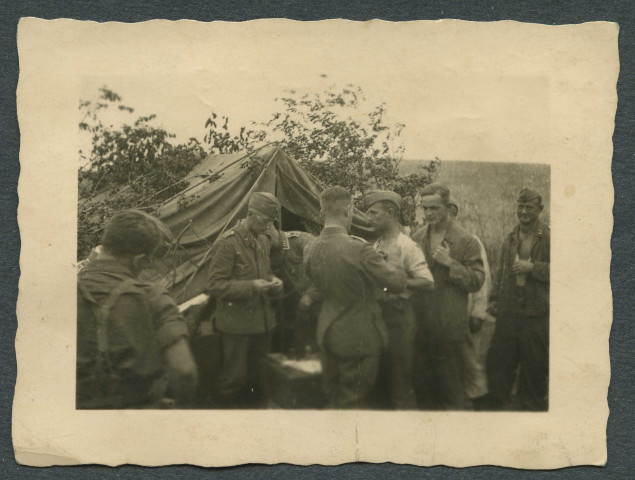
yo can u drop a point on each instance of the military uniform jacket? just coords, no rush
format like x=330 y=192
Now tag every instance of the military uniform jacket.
x=444 y=309
x=237 y=259
x=288 y=262
x=141 y=321
x=533 y=298
x=347 y=272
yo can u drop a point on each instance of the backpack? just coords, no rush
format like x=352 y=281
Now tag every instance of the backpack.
x=102 y=387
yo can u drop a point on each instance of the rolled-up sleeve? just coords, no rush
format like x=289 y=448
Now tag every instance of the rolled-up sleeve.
x=415 y=261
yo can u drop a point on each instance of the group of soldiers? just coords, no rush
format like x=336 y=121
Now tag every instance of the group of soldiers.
x=401 y=316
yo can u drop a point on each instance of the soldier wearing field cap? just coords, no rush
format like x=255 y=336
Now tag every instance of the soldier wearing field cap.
x=383 y=212
x=520 y=303
x=241 y=279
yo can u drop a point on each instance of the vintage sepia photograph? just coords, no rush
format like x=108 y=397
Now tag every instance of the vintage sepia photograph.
x=304 y=262
x=306 y=242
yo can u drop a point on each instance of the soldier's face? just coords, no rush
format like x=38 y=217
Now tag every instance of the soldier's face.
x=528 y=212
x=378 y=216
x=260 y=223
x=434 y=209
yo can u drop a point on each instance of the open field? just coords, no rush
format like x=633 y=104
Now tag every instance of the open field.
x=486 y=194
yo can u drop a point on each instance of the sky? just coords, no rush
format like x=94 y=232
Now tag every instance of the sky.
x=455 y=105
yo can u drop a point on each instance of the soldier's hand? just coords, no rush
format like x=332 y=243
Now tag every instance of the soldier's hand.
x=522 y=267
x=261 y=286
x=476 y=324
x=441 y=254
x=275 y=286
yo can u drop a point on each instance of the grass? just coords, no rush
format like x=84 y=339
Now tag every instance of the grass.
x=486 y=194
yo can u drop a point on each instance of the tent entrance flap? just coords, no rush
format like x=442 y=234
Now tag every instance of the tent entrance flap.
x=291 y=222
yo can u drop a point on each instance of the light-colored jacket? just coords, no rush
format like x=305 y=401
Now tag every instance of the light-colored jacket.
x=477 y=302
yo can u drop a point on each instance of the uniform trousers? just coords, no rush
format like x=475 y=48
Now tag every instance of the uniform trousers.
x=520 y=340
x=439 y=372
x=242 y=356
x=399 y=356
x=348 y=380
x=287 y=319
x=295 y=330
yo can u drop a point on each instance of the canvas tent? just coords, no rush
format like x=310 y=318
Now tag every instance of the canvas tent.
x=216 y=198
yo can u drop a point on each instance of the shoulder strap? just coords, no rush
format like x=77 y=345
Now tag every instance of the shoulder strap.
x=104 y=385
x=102 y=311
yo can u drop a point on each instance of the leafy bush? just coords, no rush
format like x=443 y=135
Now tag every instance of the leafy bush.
x=137 y=165
x=130 y=166
x=330 y=139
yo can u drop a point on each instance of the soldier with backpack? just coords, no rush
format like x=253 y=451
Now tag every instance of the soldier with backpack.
x=132 y=342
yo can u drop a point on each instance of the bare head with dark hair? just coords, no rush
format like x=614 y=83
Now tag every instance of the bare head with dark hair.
x=337 y=207
x=437 y=189
x=132 y=237
x=434 y=200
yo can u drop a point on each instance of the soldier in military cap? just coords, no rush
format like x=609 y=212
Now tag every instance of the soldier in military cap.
x=346 y=272
x=520 y=303
x=241 y=279
x=130 y=334
x=383 y=212
x=287 y=254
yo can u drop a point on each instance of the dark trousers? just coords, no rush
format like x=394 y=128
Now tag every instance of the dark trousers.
x=286 y=315
x=347 y=381
x=519 y=341
x=239 y=379
x=295 y=329
x=439 y=372
x=399 y=356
